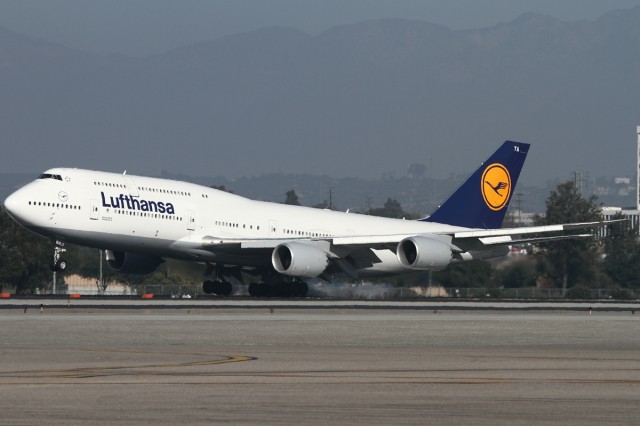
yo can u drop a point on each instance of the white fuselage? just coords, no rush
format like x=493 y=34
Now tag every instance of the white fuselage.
x=176 y=219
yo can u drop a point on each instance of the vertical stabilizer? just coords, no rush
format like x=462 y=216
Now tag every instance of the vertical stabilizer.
x=482 y=201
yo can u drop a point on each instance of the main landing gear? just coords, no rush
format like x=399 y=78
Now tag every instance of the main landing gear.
x=271 y=287
x=218 y=285
x=221 y=288
x=59 y=263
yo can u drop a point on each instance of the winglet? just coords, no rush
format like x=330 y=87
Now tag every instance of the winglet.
x=482 y=201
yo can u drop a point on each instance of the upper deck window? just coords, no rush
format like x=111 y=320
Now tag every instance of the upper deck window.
x=50 y=176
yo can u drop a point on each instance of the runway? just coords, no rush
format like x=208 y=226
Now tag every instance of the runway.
x=446 y=304
x=319 y=366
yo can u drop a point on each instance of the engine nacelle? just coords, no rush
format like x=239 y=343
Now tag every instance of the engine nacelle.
x=132 y=263
x=299 y=260
x=422 y=253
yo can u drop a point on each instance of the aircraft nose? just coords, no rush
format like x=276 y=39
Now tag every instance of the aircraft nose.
x=11 y=204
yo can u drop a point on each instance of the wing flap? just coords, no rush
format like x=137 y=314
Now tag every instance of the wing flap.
x=372 y=240
x=508 y=240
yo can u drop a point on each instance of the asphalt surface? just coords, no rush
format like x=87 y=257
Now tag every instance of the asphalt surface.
x=265 y=365
x=136 y=302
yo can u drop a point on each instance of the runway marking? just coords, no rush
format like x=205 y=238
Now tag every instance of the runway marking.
x=227 y=360
x=89 y=372
x=175 y=373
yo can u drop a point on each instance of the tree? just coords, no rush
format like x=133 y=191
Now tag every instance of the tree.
x=392 y=208
x=571 y=262
x=292 y=198
x=473 y=274
x=517 y=274
x=323 y=205
x=85 y=261
x=24 y=257
x=622 y=248
x=416 y=170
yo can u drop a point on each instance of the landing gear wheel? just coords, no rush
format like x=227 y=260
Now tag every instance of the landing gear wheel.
x=282 y=289
x=257 y=290
x=225 y=288
x=208 y=287
x=59 y=266
x=221 y=288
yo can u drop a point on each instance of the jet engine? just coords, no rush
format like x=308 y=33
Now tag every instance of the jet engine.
x=132 y=263
x=422 y=253
x=299 y=260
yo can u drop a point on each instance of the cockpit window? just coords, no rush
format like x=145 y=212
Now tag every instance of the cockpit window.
x=50 y=176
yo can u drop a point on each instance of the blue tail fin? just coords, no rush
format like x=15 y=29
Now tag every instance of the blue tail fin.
x=482 y=201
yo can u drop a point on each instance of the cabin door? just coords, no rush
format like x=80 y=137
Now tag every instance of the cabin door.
x=94 y=214
x=191 y=223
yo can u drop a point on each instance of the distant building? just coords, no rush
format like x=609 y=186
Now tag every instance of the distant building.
x=521 y=219
x=622 y=181
x=632 y=214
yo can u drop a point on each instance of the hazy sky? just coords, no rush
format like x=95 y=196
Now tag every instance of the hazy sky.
x=141 y=27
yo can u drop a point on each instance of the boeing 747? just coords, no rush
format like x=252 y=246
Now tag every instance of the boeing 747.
x=140 y=221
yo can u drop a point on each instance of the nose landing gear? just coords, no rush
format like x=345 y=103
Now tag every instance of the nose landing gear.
x=59 y=263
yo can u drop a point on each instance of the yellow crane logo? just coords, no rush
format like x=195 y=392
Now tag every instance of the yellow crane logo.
x=495 y=186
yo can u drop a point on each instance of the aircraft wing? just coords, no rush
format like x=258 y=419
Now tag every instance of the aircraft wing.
x=488 y=237
x=531 y=234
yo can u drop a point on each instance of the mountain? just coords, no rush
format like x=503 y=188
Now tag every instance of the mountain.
x=356 y=100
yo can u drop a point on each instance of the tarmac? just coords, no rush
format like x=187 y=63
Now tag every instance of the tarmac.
x=210 y=302
x=270 y=365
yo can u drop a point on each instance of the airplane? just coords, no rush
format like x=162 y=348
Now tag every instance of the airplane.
x=141 y=221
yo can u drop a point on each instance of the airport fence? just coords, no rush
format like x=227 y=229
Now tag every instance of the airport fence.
x=541 y=293
x=386 y=292
x=353 y=291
